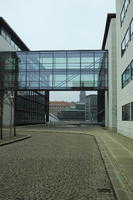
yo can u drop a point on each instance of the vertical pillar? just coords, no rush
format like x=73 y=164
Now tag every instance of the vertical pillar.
x=47 y=105
x=15 y=104
x=1 y=114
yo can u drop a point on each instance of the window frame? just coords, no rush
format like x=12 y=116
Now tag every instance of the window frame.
x=124 y=11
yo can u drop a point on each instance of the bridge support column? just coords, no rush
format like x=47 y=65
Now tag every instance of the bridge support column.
x=47 y=105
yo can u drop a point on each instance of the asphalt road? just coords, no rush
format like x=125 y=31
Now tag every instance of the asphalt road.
x=54 y=166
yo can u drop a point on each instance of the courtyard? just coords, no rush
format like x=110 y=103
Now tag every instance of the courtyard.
x=54 y=165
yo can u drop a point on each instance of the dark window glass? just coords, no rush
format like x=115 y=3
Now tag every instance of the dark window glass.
x=132 y=111
x=122 y=16
x=21 y=57
x=126 y=5
x=127 y=38
x=131 y=69
x=123 y=47
x=124 y=10
x=131 y=28
x=128 y=75
x=126 y=112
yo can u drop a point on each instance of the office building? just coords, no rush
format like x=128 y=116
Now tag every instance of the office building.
x=118 y=40
x=91 y=108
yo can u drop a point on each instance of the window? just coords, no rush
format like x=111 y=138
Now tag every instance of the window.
x=131 y=27
x=127 y=75
x=131 y=69
x=124 y=10
x=126 y=112
x=132 y=111
x=127 y=38
x=126 y=5
x=123 y=47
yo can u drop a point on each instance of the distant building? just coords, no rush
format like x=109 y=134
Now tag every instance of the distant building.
x=82 y=97
x=76 y=112
x=91 y=108
x=56 y=106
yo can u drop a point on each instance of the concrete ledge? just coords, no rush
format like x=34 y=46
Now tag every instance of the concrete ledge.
x=14 y=140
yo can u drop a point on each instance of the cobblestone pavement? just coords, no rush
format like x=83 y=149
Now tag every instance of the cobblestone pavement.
x=54 y=166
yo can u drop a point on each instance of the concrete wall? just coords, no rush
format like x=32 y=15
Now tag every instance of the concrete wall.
x=6 y=46
x=111 y=95
x=125 y=95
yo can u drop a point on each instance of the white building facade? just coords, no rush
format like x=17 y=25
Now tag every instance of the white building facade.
x=118 y=39
x=124 y=21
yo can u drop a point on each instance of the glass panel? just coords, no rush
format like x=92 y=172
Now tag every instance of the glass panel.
x=122 y=15
x=73 y=66
x=46 y=57
x=73 y=57
x=87 y=66
x=32 y=76
x=32 y=57
x=46 y=66
x=126 y=5
x=21 y=57
x=132 y=111
x=32 y=85
x=87 y=80
x=127 y=75
x=99 y=56
x=59 y=66
x=46 y=75
x=127 y=38
x=132 y=28
x=60 y=57
x=73 y=78
x=123 y=47
x=126 y=112
x=22 y=77
x=131 y=69
x=87 y=57
x=33 y=66
x=22 y=66
x=46 y=85
x=59 y=80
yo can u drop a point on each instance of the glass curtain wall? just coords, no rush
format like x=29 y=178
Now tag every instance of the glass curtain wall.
x=57 y=70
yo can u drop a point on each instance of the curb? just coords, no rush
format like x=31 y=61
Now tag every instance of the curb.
x=114 y=172
x=15 y=140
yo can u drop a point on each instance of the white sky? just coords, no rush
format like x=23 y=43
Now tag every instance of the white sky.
x=58 y=24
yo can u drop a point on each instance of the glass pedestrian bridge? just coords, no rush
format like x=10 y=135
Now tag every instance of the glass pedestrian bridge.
x=54 y=70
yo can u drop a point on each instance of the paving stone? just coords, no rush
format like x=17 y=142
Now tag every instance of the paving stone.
x=54 y=166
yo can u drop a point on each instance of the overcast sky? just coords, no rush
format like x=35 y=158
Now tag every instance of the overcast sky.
x=58 y=24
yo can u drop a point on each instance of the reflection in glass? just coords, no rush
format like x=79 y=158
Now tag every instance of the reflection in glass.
x=32 y=57
x=46 y=57
x=87 y=57
x=60 y=57
x=21 y=57
x=73 y=57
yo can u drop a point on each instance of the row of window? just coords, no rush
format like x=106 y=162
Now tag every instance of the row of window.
x=127 y=38
x=127 y=112
x=127 y=75
x=6 y=36
x=124 y=11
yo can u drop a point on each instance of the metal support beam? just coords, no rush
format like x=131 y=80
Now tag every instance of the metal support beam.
x=47 y=105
